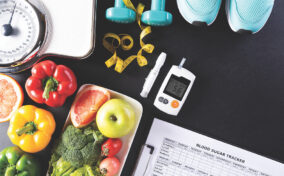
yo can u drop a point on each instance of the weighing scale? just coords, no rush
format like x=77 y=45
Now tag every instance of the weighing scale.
x=34 y=29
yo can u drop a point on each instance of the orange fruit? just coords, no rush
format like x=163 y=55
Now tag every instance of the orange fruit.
x=86 y=105
x=11 y=97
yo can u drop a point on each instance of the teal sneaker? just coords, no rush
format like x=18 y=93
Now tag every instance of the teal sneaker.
x=199 y=12
x=248 y=16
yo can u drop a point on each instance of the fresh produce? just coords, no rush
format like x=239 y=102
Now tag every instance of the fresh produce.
x=83 y=149
x=111 y=147
x=115 y=118
x=14 y=162
x=110 y=166
x=87 y=171
x=64 y=168
x=76 y=148
x=31 y=128
x=86 y=104
x=11 y=97
x=50 y=83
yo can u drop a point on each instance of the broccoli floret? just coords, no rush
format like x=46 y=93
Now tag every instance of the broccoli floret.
x=99 y=138
x=88 y=130
x=74 y=157
x=90 y=159
x=60 y=148
x=78 y=147
x=74 y=138
x=84 y=147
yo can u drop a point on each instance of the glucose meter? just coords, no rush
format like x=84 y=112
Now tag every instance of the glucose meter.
x=175 y=89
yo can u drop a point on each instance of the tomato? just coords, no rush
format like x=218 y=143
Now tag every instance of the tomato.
x=110 y=166
x=87 y=103
x=111 y=147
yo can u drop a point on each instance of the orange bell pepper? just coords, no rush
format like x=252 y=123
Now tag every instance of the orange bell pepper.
x=31 y=128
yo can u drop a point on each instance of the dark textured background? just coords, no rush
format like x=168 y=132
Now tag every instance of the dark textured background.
x=238 y=96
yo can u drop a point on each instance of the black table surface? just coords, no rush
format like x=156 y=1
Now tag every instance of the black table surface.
x=238 y=96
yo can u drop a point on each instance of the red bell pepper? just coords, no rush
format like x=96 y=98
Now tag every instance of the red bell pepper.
x=50 y=83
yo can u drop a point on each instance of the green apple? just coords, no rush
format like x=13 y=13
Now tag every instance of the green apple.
x=116 y=118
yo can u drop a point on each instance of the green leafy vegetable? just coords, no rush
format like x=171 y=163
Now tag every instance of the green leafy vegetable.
x=61 y=167
x=84 y=171
x=76 y=152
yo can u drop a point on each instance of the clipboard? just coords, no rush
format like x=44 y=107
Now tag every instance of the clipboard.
x=143 y=164
x=172 y=150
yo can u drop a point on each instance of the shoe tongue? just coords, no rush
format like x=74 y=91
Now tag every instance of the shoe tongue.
x=253 y=10
x=202 y=7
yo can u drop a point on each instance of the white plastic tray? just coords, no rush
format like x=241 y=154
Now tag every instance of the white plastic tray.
x=128 y=139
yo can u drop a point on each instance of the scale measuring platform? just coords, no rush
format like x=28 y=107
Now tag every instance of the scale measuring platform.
x=44 y=28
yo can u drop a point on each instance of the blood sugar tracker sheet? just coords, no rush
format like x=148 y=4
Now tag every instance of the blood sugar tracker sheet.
x=181 y=152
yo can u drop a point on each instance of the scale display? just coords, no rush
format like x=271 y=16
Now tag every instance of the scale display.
x=22 y=32
x=23 y=37
x=176 y=87
x=31 y=30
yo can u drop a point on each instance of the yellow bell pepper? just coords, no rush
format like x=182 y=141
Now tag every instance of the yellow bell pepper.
x=31 y=128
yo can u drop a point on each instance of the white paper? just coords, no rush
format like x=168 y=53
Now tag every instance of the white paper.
x=181 y=152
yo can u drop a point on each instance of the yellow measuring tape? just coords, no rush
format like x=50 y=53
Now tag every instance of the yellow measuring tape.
x=113 y=41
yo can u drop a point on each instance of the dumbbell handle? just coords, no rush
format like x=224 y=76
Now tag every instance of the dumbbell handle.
x=158 y=5
x=119 y=3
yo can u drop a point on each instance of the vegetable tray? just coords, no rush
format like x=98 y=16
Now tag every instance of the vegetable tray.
x=126 y=140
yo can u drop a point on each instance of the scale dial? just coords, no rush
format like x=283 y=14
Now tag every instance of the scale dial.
x=28 y=25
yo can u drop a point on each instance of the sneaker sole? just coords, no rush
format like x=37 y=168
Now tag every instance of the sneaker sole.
x=240 y=31
x=194 y=23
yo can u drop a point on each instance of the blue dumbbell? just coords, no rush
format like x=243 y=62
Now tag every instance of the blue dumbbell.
x=120 y=13
x=157 y=16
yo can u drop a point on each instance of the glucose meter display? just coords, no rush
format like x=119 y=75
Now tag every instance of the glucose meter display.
x=176 y=87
